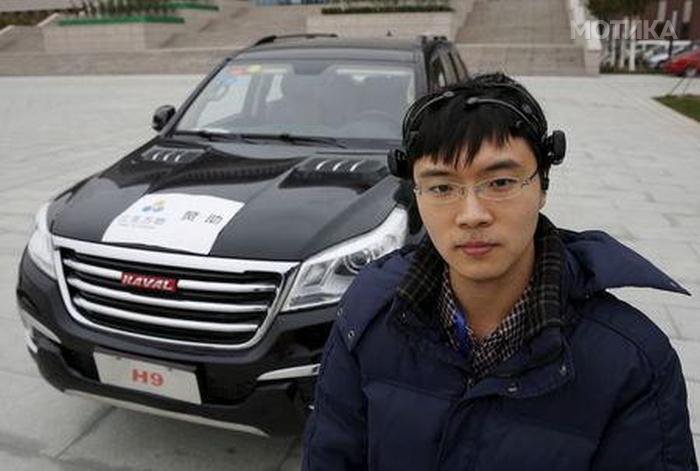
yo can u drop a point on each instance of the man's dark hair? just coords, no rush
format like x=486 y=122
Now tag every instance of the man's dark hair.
x=445 y=129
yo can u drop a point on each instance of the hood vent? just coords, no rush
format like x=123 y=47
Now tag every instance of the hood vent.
x=171 y=155
x=361 y=173
x=215 y=168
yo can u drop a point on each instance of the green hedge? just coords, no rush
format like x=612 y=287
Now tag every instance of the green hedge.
x=386 y=9
x=118 y=9
x=119 y=20
x=191 y=6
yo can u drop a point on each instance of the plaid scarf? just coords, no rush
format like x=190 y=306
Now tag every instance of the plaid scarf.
x=423 y=284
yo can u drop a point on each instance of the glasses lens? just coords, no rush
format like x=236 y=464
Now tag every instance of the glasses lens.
x=501 y=188
x=441 y=193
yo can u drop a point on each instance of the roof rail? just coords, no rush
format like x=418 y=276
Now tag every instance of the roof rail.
x=426 y=38
x=272 y=38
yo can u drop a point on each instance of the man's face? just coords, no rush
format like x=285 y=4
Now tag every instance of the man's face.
x=508 y=226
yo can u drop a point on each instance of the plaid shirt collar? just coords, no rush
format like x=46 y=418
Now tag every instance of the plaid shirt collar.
x=486 y=353
x=421 y=285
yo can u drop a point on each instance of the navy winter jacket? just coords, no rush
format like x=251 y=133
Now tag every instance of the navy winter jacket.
x=606 y=393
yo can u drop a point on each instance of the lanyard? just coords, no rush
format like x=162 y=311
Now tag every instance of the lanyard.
x=461 y=332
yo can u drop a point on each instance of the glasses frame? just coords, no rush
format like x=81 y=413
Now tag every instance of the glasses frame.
x=464 y=190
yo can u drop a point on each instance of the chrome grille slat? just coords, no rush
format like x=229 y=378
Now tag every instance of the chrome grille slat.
x=163 y=302
x=93 y=270
x=196 y=285
x=193 y=285
x=162 y=321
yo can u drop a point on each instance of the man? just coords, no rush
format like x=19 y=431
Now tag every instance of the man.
x=493 y=345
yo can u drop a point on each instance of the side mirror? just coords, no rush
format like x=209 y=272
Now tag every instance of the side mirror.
x=161 y=116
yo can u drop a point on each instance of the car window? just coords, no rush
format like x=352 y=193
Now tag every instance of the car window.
x=222 y=100
x=328 y=98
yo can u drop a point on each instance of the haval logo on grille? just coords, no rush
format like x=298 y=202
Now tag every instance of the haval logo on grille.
x=151 y=282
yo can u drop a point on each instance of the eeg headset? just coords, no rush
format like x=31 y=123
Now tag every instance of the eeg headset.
x=550 y=149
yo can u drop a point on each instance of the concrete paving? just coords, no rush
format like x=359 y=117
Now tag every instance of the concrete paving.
x=632 y=170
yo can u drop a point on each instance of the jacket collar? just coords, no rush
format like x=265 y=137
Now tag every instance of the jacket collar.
x=595 y=262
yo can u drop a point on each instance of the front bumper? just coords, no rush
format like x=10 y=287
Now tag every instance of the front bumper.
x=265 y=389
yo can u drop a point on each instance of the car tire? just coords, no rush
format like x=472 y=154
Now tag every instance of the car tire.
x=690 y=72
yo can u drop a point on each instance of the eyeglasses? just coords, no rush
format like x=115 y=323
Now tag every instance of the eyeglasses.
x=491 y=189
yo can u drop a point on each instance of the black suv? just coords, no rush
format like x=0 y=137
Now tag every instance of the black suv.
x=198 y=276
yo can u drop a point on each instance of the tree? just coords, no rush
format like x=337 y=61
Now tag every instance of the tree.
x=633 y=9
x=604 y=10
x=607 y=10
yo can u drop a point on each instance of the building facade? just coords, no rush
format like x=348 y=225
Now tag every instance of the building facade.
x=686 y=13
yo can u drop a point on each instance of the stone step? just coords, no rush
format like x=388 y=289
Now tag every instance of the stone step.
x=243 y=25
x=516 y=29
x=522 y=37
x=541 y=59
x=530 y=10
x=154 y=61
x=506 y=20
x=21 y=39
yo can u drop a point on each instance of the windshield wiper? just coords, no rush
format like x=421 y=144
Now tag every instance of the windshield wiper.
x=212 y=135
x=221 y=134
x=295 y=139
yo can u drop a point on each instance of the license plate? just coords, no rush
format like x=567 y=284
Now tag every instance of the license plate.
x=161 y=379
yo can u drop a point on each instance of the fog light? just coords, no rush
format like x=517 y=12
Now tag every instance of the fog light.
x=29 y=340
x=31 y=324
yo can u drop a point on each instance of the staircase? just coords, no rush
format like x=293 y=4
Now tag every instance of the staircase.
x=241 y=23
x=21 y=39
x=520 y=37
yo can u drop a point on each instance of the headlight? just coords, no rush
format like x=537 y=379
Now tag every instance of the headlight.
x=323 y=278
x=40 y=247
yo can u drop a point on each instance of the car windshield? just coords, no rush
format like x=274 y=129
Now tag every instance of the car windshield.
x=321 y=98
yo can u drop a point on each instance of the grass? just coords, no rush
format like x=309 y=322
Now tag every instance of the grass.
x=688 y=105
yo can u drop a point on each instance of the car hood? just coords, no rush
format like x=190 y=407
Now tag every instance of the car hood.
x=295 y=201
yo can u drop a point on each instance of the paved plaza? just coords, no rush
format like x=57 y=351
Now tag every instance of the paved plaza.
x=633 y=169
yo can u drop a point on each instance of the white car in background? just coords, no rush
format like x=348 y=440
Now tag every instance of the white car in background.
x=657 y=60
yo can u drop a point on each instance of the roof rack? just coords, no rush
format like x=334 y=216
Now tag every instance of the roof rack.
x=426 y=38
x=272 y=38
